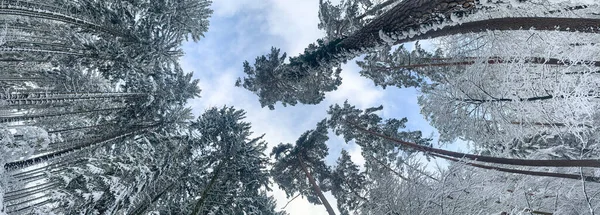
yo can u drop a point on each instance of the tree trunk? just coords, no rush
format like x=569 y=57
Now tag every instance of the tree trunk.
x=401 y=18
x=8 y=119
x=57 y=16
x=557 y=124
x=46 y=157
x=316 y=187
x=491 y=60
x=530 y=99
x=80 y=128
x=29 y=193
x=488 y=159
x=42 y=98
x=48 y=167
x=144 y=207
x=27 y=189
x=526 y=172
x=204 y=196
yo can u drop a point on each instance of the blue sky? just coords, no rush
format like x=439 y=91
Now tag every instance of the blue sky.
x=243 y=29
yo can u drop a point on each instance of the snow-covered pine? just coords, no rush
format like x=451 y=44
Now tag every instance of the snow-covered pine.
x=501 y=105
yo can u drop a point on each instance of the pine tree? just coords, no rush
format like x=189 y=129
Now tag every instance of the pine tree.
x=347 y=184
x=298 y=167
x=237 y=161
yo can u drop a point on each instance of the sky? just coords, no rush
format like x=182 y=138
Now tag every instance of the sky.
x=241 y=30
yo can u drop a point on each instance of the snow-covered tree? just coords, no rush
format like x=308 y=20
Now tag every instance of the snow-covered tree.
x=411 y=21
x=301 y=168
x=501 y=106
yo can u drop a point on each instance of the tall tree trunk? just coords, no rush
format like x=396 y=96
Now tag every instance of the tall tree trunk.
x=23 y=190
x=316 y=187
x=57 y=16
x=491 y=60
x=394 y=21
x=80 y=128
x=526 y=172
x=144 y=207
x=54 y=165
x=488 y=159
x=8 y=119
x=530 y=99
x=204 y=196
x=29 y=193
x=46 y=157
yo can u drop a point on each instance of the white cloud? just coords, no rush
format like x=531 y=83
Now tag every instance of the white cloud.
x=227 y=8
x=357 y=90
x=296 y=22
x=356 y=156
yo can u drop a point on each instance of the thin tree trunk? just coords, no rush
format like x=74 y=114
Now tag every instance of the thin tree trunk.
x=488 y=159
x=39 y=186
x=400 y=175
x=530 y=99
x=34 y=205
x=43 y=158
x=62 y=99
x=516 y=23
x=31 y=13
x=408 y=14
x=491 y=60
x=145 y=206
x=316 y=187
x=28 y=193
x=525 y=172
x=47 y=167
x=8 y=119
x=80 y=128
x=204 y=196
x=548 y=124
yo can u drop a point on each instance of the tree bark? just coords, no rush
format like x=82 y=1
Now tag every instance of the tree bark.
x=526 y=172
x=213 y=180
x=43 y=158
x=491 y=60
x=316 y=187
x=8 y=119
x=144 y=207
x=516 y=23
x=42 y=99
x=401 y=18
x=56 y=16
x=488 y=159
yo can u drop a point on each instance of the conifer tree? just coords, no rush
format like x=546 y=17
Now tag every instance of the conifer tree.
x=298 y=167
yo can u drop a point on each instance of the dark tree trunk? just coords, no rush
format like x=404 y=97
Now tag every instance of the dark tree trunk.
x=43 y=158
x=204 y=196
x=144 y=207
x=316 y=187
x=56 y=16
x=526 y=172
x=412 y=14
x=488 y=159
x=491 y=60
x=8 y=119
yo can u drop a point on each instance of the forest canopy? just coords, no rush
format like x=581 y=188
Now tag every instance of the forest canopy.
x=97 y=112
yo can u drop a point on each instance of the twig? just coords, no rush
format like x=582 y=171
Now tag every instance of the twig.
x=286 y=204
x=587 y=198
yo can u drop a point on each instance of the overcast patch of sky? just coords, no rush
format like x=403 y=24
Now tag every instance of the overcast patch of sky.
x=243 y=29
